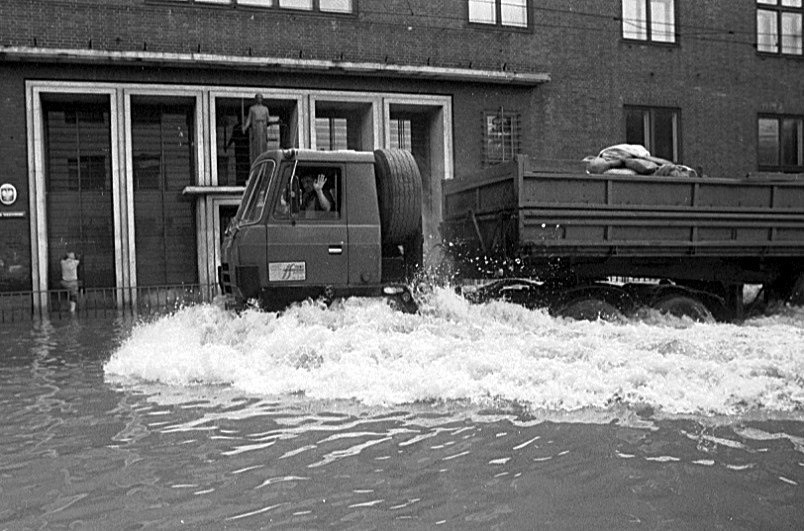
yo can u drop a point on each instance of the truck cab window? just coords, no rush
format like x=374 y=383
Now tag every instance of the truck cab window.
x=257 y=191
x=313 y=192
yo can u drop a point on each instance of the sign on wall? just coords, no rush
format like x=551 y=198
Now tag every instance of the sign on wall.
x=8 y=194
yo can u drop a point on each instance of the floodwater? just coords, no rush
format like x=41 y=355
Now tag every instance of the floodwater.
x=358 y=417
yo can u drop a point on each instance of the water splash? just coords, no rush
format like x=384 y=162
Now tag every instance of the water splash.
x=496 y=353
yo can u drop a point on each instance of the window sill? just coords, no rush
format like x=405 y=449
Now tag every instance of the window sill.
x=206 y=190
x=498 y=27
x=657 y=44
x=779 y=55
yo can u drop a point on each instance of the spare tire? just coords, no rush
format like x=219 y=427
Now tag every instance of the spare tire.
x=399 y=191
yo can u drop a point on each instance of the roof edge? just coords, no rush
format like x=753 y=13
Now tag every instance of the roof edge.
x=74 y=55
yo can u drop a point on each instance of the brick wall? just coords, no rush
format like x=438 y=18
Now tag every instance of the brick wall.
x=714 y=74
x=15 y=240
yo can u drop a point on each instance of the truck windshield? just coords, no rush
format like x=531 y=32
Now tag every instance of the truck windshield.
x=256 y=193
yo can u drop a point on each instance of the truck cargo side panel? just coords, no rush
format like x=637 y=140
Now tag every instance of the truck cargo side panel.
x=625 y=223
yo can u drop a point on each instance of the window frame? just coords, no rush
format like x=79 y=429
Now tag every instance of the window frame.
x=331 y=124
x=259 y=181
x=291 y=212
x=515 y=136
x=650 y=129
x=779 y=9
x=649 y=38
x=274 y=6
x=498 y=23
x=780 y=166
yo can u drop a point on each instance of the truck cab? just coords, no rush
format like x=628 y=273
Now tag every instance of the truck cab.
x=308 y=226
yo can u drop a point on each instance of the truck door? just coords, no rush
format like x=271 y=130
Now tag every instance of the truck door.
x=307 y=237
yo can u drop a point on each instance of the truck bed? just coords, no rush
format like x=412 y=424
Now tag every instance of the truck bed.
x=513 y=209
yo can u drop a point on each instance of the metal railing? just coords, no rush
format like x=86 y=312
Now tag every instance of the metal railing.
x=102 y=302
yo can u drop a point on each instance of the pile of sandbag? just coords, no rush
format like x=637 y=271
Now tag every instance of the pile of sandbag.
x=633 y=159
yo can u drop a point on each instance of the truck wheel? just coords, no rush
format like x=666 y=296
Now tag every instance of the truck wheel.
x=399 y=191
x=683 y=306
x=590 y=309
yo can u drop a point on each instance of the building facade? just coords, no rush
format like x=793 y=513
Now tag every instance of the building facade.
x=123 y=140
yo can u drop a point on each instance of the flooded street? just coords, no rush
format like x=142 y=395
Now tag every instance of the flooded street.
x=358 y=417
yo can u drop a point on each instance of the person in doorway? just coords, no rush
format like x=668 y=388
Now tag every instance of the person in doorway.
x=314 y=196
x=69 y=278
x=257 y=125
x=240 y=141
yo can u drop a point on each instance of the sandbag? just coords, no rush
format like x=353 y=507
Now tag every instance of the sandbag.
x=641 y=166
x=620 y=171
x=598 y=165
x=624 y=151
x=675 y=170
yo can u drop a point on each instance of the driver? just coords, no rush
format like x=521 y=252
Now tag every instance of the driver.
x=314 y=195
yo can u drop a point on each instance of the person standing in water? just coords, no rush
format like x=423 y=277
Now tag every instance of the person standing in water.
x=69 y=278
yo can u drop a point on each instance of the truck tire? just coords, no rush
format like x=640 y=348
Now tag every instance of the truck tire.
x=399 y=191
x=683 y=306
x=590 y=308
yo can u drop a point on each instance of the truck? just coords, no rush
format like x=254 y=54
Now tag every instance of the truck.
x=368 y=243
x=583 y=246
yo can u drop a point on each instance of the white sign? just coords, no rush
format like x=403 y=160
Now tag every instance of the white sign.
x=8 y=194
x=287 y=271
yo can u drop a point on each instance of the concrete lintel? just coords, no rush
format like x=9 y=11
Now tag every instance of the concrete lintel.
x=73 y=55
x=207 y=190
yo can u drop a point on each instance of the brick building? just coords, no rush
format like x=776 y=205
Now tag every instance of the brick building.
x=122 y=118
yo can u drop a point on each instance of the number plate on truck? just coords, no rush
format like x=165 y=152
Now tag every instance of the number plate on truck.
x=287 y=271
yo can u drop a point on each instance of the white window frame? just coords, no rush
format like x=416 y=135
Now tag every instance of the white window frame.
x=780 y=27
x=499 y=13
x=510 y=140
x=640 y=24
x=649 y=127
x=779 y=119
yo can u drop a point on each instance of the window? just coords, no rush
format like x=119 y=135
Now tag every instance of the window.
x=306 y=5
x=163 y=152
x=233 y=149
x=501 y=136
x=779 y=143
x=331 y=134
x=656 y=128
x=77 y=135
x=324 y=6
x=300 y=198
x=336 y=6
x=649 y=20
x=512 y=13
x=779 y=26
x=261 y=176
x=400 y=134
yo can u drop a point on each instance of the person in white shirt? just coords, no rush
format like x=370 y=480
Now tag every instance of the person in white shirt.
x=69 y=278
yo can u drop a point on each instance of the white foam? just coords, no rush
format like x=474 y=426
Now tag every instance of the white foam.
x=482 y=354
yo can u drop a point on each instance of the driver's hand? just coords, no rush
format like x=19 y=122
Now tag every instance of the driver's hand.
x=319 y=182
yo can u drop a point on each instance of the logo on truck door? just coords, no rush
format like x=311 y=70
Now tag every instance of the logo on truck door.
x=287 y=271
